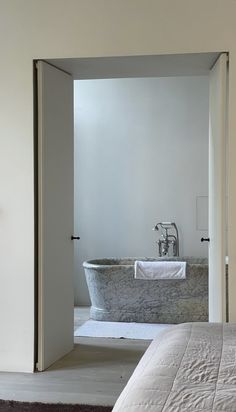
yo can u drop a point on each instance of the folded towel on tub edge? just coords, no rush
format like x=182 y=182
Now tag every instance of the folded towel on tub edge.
x=152 y=270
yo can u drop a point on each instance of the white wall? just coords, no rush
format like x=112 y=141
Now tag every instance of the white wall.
x=82 y=28
x=141 y=156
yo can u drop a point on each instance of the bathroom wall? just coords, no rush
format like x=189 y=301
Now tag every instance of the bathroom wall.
x=141 y=156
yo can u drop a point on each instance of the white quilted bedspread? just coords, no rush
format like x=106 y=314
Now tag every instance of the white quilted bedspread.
x=189 y=367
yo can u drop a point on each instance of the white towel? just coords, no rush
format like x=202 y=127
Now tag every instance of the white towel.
x=152 y=270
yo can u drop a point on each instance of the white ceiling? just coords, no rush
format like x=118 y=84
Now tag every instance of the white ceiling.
x=192 y=64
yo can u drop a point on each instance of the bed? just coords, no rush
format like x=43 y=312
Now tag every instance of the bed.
x=189 y=367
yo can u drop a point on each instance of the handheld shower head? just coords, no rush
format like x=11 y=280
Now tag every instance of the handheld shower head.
x=163 y=225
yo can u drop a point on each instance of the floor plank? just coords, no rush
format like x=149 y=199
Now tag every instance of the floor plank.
x=95 y=372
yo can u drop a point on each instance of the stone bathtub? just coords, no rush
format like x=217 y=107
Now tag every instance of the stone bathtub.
x=116 y=296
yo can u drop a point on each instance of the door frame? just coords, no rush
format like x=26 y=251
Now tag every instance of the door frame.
x=36 y=197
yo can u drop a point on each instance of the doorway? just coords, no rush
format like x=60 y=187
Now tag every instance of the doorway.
x=138 y=146
x=127 y=67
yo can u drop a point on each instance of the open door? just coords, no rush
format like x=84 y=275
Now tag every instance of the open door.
x=55 y=215
x=217 y=190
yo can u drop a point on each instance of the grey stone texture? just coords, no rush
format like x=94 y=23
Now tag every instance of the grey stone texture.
x=117 y=296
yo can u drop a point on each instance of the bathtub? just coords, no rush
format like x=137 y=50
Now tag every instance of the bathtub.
x=117 y=296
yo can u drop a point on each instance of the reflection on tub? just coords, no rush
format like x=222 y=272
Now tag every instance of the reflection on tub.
x=117 y=296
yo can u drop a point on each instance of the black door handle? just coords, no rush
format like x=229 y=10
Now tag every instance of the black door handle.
x=75 y=237
x=205 y=239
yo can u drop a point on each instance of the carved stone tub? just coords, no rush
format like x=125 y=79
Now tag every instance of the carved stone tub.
x=117 y=296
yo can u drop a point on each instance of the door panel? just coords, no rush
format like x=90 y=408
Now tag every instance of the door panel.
x=217 y=189
x=55 y=219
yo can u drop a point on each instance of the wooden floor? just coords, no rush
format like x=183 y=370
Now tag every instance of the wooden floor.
x=95 y=372
x=81 y=314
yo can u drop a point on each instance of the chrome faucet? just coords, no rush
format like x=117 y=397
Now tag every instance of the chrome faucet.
x=167 y=240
